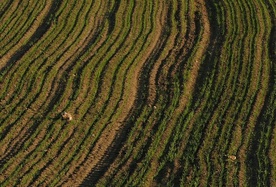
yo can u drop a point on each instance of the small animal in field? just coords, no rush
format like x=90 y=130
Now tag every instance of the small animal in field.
x=66 y=116
x=231 y=157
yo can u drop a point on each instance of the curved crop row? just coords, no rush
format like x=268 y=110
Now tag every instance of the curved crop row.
x=159 y=93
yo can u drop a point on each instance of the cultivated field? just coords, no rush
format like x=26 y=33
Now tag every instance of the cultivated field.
x=137 y=93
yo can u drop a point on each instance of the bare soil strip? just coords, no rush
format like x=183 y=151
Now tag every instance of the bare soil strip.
x=114 y=130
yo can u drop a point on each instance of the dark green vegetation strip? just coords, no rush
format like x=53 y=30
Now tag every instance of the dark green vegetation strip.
x=161 y=93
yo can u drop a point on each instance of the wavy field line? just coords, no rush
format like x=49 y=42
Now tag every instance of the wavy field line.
x=6 y=57
x=161 y=93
